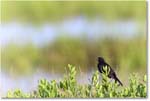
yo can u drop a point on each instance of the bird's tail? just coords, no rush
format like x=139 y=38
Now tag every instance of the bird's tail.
x=117 y=80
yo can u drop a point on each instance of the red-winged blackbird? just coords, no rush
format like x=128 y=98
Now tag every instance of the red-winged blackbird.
x=112 y=74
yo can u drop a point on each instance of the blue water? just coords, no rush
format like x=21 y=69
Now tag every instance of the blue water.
x=76 y=27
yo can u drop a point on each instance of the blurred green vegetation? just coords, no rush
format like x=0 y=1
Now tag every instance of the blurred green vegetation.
x=44 y=11
x=123 y=54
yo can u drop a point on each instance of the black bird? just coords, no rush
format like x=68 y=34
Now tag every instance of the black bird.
x=112 y=74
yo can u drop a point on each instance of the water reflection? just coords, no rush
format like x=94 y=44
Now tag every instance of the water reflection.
x=30 y=82
x=77 y=27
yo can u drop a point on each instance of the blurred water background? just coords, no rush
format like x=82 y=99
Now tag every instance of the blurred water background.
x=39 y=39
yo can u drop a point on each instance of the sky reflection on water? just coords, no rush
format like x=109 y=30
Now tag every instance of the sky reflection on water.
x=77 y=27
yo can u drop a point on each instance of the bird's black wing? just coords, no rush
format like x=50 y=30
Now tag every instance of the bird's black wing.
x=111 y=74
x=101 y=67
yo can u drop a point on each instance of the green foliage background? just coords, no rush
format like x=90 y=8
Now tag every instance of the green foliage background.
x=126 y=54
x=43 y=11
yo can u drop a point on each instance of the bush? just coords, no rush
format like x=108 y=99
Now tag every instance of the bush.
x=69 y=88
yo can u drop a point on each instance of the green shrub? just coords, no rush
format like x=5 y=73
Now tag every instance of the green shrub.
x=69 y=88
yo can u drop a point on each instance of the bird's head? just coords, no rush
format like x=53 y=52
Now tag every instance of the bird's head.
x=101 y=60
